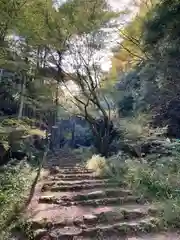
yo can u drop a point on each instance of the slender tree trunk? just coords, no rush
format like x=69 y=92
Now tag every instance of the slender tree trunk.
x=102 y=145
x=22 y=96
x=57 y=103
x=102 y=136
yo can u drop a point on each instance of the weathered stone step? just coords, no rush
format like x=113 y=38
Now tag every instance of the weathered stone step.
x=70 y=183
x=71 y=177
x=66 y=164
x=88 y=194
x=107 y=201
x=78 y=187
x=99 y=215
x=147 y=236
x=101 y=231
x=102 y=194
x=73 y=170
x=93 y=182
x=91 y=202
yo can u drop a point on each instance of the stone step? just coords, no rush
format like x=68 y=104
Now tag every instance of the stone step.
x=73 y=170
x=53 y=183
x=102 y=193
x=71 y=177
x=99 y=215
x=109 y=201
x=91 y=202
x=78 y=187
x=75 y=182
x=147 y=236
x=88 y=194
x=101 y=231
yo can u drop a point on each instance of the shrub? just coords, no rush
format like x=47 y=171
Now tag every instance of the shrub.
x=150 y=182
x=98 y=164
x=135 y=127
x=159 y=181
x=117 y=167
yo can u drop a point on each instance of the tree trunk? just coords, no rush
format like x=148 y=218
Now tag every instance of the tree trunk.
x=102 y=136
x=22 y=96
x=57 y=103
x=102 y=145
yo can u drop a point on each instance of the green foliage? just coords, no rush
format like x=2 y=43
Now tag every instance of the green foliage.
x=125 y=107
x=25 y=123
x=150 y=182
x=12 y=122
x=28 y=121
x=94 y=14
x=158 y=179
x=116 y=167
x=42 y=31
x=135 y=127
x=162 y=23
x=170 y=213
x=14 y=184
x=161 y=39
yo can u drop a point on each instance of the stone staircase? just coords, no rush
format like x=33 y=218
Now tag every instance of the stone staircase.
x=73 y=203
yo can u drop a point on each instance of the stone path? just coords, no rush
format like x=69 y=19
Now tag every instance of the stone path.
x=72 y=203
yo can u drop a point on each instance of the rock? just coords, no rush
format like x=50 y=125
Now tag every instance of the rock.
x=95 y=193
x=70 y=231
x=89 y=217
x=41 y=234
